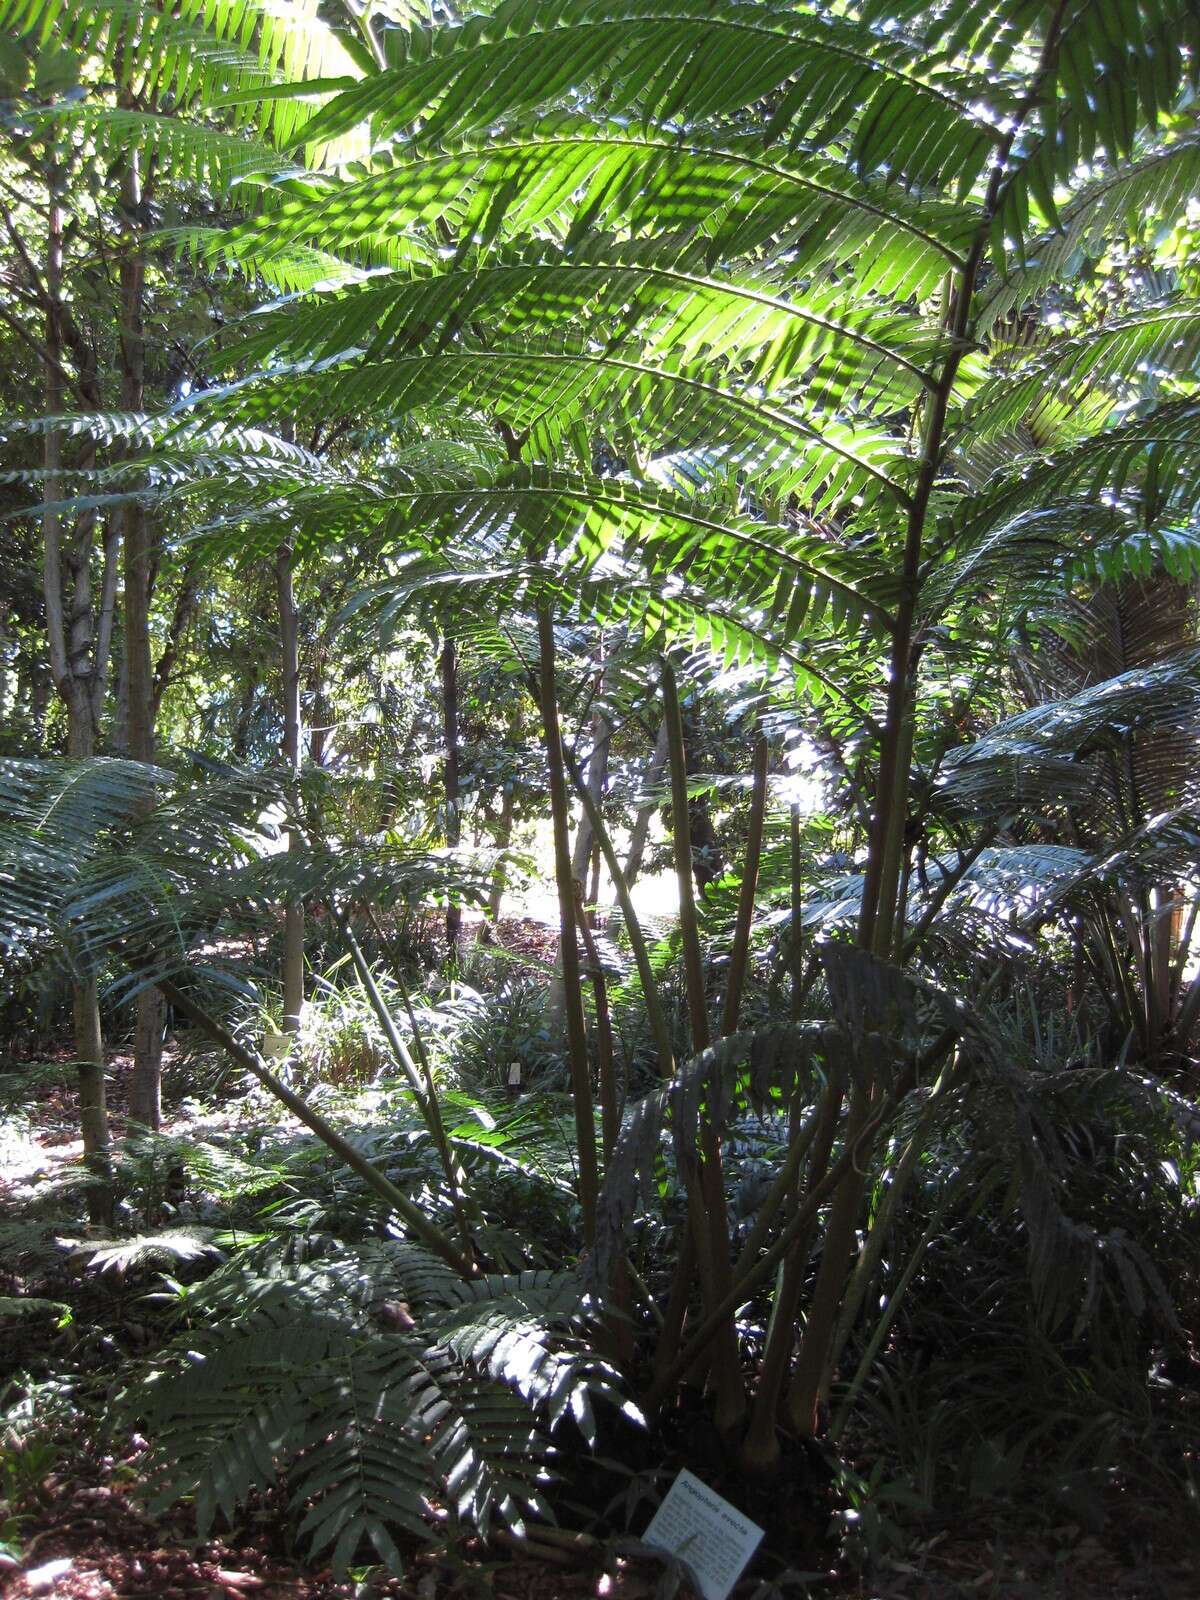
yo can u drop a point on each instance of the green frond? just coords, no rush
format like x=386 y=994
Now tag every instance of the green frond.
x=549 y=391
x=1140 y=455
x=573 y=178
x=1115 y=70
x=373 y=1426
x=289 y=269
x=661 y=291
x=1078 y=381
x=1144 y=553
x=1152 y=187
x=686 y=63
x=1019 y=560
x=1157 y=696
x=790 y=577
x=208 y=53
x=189 y=151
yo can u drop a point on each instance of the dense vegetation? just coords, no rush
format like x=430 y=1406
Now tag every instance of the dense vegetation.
x=456 y=462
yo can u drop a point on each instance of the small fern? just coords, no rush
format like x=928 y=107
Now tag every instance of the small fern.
x=299 y=1371
x=169 y=1248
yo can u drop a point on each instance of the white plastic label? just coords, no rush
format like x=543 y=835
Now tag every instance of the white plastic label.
x=713 y=1537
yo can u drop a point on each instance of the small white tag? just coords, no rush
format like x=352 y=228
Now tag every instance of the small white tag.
x=713 y=1537
x=514 y=1075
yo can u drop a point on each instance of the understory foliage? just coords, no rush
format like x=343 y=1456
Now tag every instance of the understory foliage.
x=749 y=446
x=376 y=1384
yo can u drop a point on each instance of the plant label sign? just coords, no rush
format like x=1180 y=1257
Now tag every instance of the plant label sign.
x=713 y=1537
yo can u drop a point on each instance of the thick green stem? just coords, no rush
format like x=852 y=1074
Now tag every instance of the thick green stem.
x=678 y=1297
x=811 y=1374
x=610 y=1099
x=746 y=1282
x=867 y=1267
x=689 y=930
x=708 y=1210
x=760 y=1451
x=796 y=948
x=880 y=1331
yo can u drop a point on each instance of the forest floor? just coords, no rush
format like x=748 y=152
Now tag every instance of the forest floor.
x=77 y=1530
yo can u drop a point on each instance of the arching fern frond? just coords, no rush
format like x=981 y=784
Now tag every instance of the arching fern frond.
x=375 y=1423
x=686 y=62
x=1152 y=187
x=573 y=177
x=1091 y=372
x=658 y=287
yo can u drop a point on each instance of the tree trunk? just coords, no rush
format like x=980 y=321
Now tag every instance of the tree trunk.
x=145 y=1088
x=739 y=957
x=289 y=641
x=597 y=777
x=451 y=779
x=508 y=805
x=68 y=638
x=581 y=1083
x=581 y=853
x=709 y=1214
x=640 y=832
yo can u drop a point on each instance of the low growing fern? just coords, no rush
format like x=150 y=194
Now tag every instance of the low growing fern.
x=385 y=1396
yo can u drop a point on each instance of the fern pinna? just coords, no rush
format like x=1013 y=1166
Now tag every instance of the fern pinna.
x=377 y=1389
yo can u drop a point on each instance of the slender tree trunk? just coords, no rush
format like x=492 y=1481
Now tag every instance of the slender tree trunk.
x=611 y=1098
x=640 y=832
x=655 y=1014
x=450 y=740
x=289 y=639
x=186 y=601
x=581 y=853
x=761 y=1451
x=69 y=666
x=597 y=777
x=796 y=946
x=508 y=811
x=321 y=712
x=593 y=890
x=739 y=957
x=145 y=1088
x=508 y=805
x=581 y=1084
